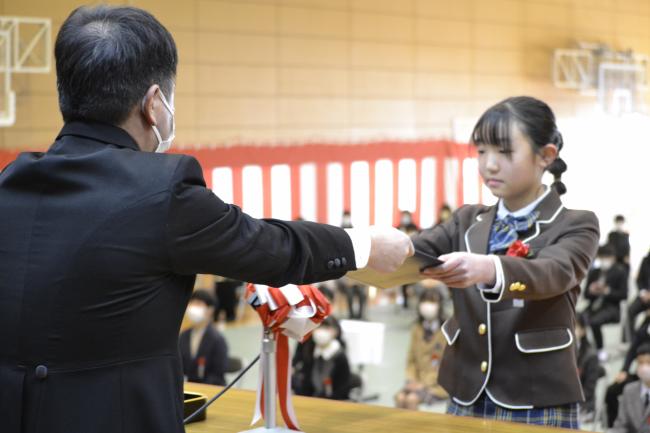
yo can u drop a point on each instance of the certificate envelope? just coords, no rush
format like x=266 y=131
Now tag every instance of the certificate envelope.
x=408 y=273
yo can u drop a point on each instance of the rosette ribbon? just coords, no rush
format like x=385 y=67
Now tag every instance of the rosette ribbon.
x=287 y=312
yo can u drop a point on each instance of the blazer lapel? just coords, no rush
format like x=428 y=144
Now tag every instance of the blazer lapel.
x=477 y=235
x=548 y=209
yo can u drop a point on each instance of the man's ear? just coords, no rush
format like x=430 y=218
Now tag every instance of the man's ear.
x=149 y=103
x=548 y=153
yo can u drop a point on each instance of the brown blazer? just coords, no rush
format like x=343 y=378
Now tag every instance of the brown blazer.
x=518 y=344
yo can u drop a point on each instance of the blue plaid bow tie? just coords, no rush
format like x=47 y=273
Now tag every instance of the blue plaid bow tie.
x=505 y=231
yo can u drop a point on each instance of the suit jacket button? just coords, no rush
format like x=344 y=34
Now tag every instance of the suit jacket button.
x=484 y=366
x=330 y=264
x=482 y=329
x=41 y=372
x=337 y=263
x=344 y=261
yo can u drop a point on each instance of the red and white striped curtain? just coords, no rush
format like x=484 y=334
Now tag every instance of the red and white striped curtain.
x=317 y=182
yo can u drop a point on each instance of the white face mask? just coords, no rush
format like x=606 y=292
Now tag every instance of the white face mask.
x=643 y=371
x=196 y=314
x=429 y=310
x=164 y=145
x=322 y=337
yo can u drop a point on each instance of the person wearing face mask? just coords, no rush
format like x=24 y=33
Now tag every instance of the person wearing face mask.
x=323 y=369
x=104 y=233
x=425 y=352
x=606 y=288
x=634 y=407
x=204 y=351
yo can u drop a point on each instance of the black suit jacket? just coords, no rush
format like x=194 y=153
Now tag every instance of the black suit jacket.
x=99 y=247
x=214 y=351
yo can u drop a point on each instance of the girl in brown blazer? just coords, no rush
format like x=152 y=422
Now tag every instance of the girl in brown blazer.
x=514 y=269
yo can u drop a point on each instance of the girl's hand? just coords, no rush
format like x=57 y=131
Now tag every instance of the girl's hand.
x=462 y=270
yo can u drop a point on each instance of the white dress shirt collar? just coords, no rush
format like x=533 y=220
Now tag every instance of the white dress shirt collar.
x=503 y=211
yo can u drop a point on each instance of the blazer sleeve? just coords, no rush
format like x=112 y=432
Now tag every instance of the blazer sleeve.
x=439 y=239
x=557 y=268
x=207 y=236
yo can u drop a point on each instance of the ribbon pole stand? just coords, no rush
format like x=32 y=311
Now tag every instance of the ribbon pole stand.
x=270 y=385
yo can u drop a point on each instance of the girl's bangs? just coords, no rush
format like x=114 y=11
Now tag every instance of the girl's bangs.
x=493 y=128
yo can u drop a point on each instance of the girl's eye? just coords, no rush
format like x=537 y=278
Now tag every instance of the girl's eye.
x=505 y=152
x=481 y=151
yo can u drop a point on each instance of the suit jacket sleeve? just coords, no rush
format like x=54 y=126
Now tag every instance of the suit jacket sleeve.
x=557 y=268
x=206 y=235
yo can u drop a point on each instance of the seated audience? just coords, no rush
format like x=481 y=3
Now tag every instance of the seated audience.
x=606 y=288
x=619 y=239
x=203 y=349
x=425 y=352
x=321 y=367
x=635 y=402
x=641 y=336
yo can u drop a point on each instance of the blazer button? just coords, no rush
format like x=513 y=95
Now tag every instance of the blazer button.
x=330 y=264
x=344 y=261
x=484 y=366
x=482 y=329
x=41 y=372
x=337 y=263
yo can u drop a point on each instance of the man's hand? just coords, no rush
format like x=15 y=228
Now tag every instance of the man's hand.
x=462 y=270
x=389 y=248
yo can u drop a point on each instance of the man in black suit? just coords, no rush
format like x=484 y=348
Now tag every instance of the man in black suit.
x=101 y=239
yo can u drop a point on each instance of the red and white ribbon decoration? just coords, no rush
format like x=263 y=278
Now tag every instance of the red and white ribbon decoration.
x=289 y=311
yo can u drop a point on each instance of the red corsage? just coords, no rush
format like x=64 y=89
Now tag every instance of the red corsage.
x=518 y=249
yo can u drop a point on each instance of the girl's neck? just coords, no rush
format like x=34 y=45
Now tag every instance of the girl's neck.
x=521 y=201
